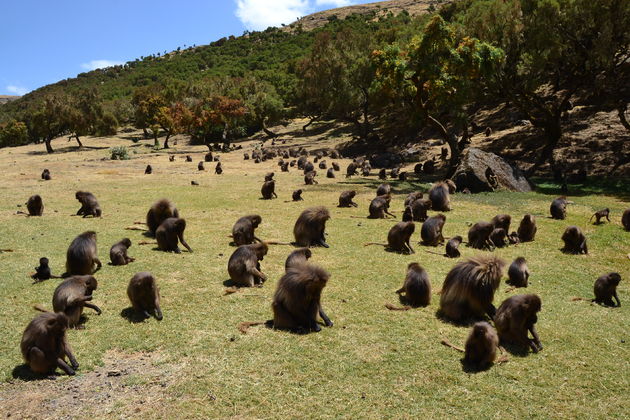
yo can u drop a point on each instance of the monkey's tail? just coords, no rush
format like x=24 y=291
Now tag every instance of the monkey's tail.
x=509 y=289
x=375 y=243
x=277 y=243
x=136 y=228
x=40 y=308
x=230 y=290
x=5 y=250
x=243 y=327
x=147 y=243
x=433 y=252
x=448 y=344
x=139 y=223
x=575 y=299
x=21 y=212
x=397 y=308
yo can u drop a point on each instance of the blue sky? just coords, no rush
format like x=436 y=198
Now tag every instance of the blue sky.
x=44 y=41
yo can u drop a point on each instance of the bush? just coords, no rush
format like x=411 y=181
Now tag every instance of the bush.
x=13 y=133
x=119 y=153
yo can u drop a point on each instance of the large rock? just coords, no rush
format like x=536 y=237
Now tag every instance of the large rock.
x=481 y=171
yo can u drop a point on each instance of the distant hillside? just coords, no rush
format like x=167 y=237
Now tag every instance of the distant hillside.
x=413 y=7
x=7 y=98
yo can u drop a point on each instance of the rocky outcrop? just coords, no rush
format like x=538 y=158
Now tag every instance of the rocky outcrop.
x=481 y=171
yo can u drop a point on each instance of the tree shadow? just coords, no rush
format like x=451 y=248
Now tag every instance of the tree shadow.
x=133 y=316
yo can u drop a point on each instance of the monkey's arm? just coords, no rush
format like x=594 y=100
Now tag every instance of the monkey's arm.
x=98 y=264
x=64 y=366
x=257 y=239
x=535 y=344
x=491 y=311
x=408 y=245
x=322 y=314
x=254 y=270
x=617 y=298
x=274 y=194
x=181 y=239
x=92 y=306
x=69 y=353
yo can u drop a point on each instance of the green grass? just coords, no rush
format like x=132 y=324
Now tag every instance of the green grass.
x=373 y=363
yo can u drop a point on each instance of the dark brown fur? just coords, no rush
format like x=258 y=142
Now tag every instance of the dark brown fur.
x=244 y=267
x=345 y=199
x=468 y=290
x=452 y=247
x=417 y=287
x=148 y=170
x=170 y=233
x=479 y=235
x=481 y=346
x=399 y=237
x=605 y=289
x=82 y=256
x=42 y=272
x=309 y=178
x=159 y=212
x=625 y=220
x=431 y=231
x=336 y=167
x=243 y=229
x=72 y=295
x=44 y=344
x=515 y=318
x=268 y=190
x=518 y=273
x=502 y=221
x=89 y=204
x=499 y=238
x=218 y=169
x=299 y=256
x=351 y=170
x=144 y=295
x=411 y=197
x=383 y=189
x=439 y=196
x=574 y=241
x=598 y=215
x=118 y=253
x=330 y=173
x=379 y=207
x=419 y=208
x=382 y=174
x=558 y=208
x=269 y=176
x=46 y=175
x=309 y=229
x=527 y=229
x=35 y=206
x=297 y=195
x=297 y=300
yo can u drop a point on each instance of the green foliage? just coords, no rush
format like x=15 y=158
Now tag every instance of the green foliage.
x=119 y=153
x=13 y=133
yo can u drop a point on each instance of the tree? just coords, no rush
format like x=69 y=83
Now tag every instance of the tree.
x=13 y=133
x=264 y=105
x=439 y=74
x=84 y=114
x=173 y=120
x=50 y=120
x=338 y=79
x=147 y=103
x=553 y=49
x=214 y=117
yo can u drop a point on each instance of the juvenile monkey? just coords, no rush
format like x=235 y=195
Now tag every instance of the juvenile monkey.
x=481 y=346
x=42 y=272
x=297 y=195
x=605 y=289
x=416 y=288
x=170 y=233
x=72 y=295
x=515 y=318
x=345 y=199
x=118 y=253
x=299 y=256
x=600 y=215
x=518 y=273
x=527 y=229
x=431 y=231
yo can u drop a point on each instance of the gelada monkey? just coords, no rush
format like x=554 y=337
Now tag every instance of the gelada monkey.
x=431 y=231
x=600 y=215
x=144 y=294
x=297 y=257
x=452 y=248
x=481 y=347
x=35 y=205
x=243 y=229
x=527 y=229
x=468 y=290
x=45 y=347
x=574 y=241
x=89 y=204
x=399 y=237
x=170 y=233
x=416 y=289
x=42 y=272
x=159 y=212
x=244 y=266
x=515 y=318
x=72 y=295
x=118 y=253
x=310 y=227
x=605 y=289
x=81 y=255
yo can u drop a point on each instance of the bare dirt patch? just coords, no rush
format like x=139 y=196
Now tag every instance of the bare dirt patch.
x=128 y=383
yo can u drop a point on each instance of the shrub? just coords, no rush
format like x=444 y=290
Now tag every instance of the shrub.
x=119 y=153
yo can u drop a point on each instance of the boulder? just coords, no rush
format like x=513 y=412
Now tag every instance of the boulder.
x=481 y=171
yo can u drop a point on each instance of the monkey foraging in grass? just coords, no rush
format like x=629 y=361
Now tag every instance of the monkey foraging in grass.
x=268 y=190
x=45 y=347
x=42 y=272
x=574 y=241
x=243 y=229
x=72 y=295
x=118 y=253
x=416 y=289
x=515 y=318
x=345 y=199
x=159 y=212
x=379 y=207
x=244 y=266
x=144 y=295
x=81 y=255
x=399 y=237
x=600 y=215
x=431 y=231
x=481 y=347
x=89 y=204
x=299 y=256
x=310 y=227
x=35 y=206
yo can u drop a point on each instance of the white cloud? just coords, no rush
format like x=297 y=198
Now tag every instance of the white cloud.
x=17 y=90
x=334 y=3
x=100 y=64
x=258 y=15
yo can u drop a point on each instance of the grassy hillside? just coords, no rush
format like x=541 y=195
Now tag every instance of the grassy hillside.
x=372 y=363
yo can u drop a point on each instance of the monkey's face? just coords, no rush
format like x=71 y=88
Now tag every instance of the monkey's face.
x=90 y=284
x=57 y=324
x=44 y=262
x=126 y=242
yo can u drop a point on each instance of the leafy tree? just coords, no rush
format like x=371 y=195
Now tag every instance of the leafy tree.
x=50 y=120
x=147 y=103
x=439 y=74
x=553 y=49
x=338 y=79
x=264 y=105
x=13 y=133
x=214 y=118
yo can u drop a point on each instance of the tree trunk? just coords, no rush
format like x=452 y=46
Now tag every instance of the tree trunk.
x=156 y=142
x=76 y=136
x=49 y=148
x=168 y=134
x=621 y=111
x=311 y=121
x=553 y=134
x=268 y=132
x=146 y=133
x=452 y=144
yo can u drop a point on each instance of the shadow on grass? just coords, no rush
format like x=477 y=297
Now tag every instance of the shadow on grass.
x=133 y=316
x=616 y=187
x=24 y=373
